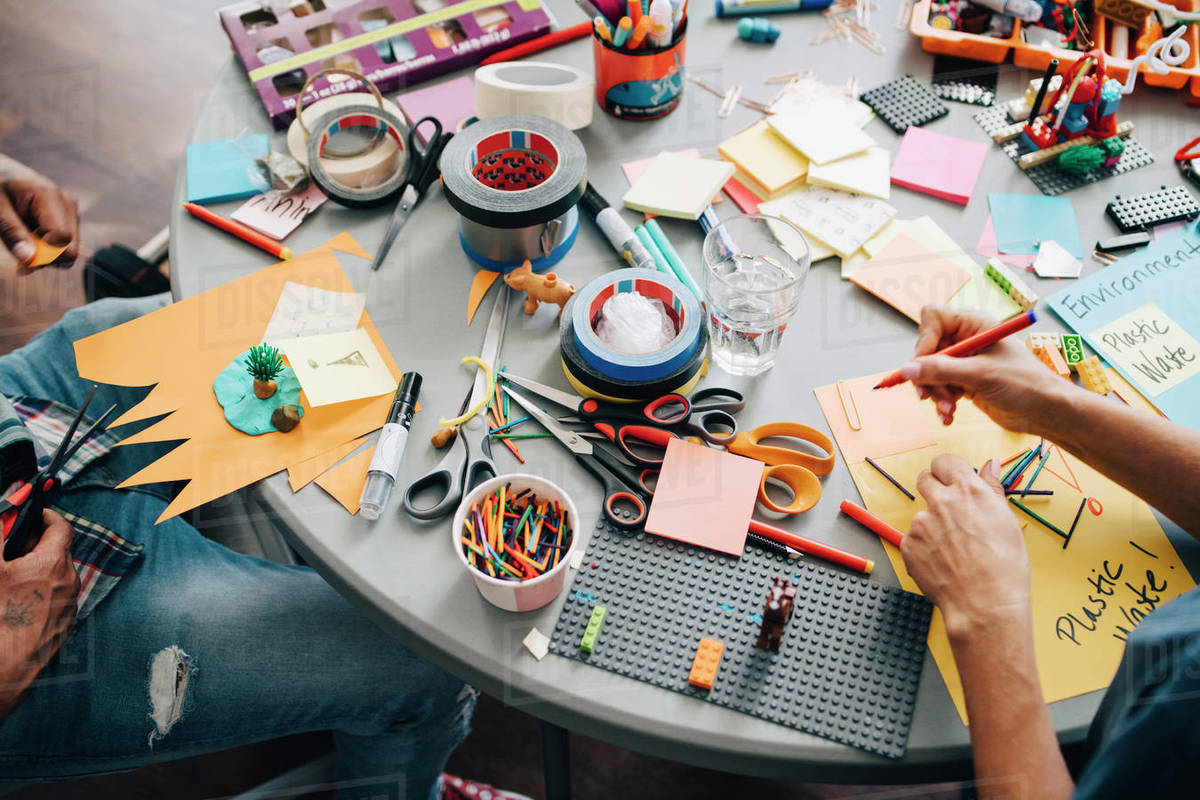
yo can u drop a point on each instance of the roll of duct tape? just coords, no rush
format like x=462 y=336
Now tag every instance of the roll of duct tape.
x=373 y=188
x=504 y=249
x=536 y=88
x=386 y=157
x=585 y=391
x=680 y=304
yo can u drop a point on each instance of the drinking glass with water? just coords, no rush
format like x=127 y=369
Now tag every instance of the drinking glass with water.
x=751 y=287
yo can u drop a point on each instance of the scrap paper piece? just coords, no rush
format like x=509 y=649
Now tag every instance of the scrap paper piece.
x=450 y=102
x=988 y=249
x=344 y=482
x=1023 y=220
x=1078 y=642
x=940 y=165
x=44 y=253
x=305 y=472
x=742 y=196
x=704 y=497
x=226 y=169
x=865 y=173
x=480 y=284
x=908 y=276
x=765 y=158
x=842 y=221
x=678 y=186
x=337 y=367
x=876 y=422
x=309 y=311
x=276 y=214
x=1053 y=261
x=1149 y=346
x=836 y=136
x=211 y=328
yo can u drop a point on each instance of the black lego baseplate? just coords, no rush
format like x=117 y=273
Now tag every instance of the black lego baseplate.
x=1141 y=212
x=1048 y=178
x=848 y=667
x=903 y=102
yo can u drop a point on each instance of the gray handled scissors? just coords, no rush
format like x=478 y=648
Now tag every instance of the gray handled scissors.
x=469 y=464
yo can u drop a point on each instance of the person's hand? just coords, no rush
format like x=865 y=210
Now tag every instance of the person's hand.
x=37 y=592
x=966 y=551
x=1006 y=381
x=30 y=202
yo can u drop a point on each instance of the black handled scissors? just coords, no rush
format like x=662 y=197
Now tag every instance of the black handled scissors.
x=621 y=484
x=464 y=469
x=420 y=172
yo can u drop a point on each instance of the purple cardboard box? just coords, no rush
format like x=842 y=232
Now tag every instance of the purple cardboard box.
x=395 y=43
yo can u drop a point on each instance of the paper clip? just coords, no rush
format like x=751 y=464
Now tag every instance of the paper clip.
x=730 y=101
x=855 y=423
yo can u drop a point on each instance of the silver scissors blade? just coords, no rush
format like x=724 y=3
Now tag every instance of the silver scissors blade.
x=493 y=338
x=408 y=201
x=563 y=399
x=572 y=440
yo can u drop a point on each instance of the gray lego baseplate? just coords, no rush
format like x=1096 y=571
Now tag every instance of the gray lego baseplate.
x=848 y=667
x=1048 y=178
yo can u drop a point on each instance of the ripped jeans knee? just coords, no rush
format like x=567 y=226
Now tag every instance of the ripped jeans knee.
x=171 y=673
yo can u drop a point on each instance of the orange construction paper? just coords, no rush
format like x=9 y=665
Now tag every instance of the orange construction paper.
x=889 y=420
x=44 y=253
x=483 y=281
x=180 y=349
x=304 y=473
x=345 y=481
x=907 y=275
x=704 y=497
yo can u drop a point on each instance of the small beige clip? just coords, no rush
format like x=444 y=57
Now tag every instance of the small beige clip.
x=730 y=102
x=854 y=421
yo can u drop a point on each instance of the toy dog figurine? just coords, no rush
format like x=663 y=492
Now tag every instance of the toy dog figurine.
x=539 y=288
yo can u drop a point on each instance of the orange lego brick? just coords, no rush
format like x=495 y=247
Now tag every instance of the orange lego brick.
x=704 y=666
x=1052 y=357
x=1092 y=375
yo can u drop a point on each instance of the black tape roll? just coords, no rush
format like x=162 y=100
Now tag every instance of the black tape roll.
x=514 y=171
x=622 y=389
x=387 y=189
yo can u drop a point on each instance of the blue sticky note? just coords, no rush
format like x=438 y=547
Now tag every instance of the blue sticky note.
x=1023 y=220
x=225 y=169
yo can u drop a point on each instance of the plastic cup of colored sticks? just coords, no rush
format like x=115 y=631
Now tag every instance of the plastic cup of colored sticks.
x=515 y=534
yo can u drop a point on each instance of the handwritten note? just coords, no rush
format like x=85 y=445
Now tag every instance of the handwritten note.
x=275 y=214
x=338 y=367
x=308 y=311
x=1150 y=347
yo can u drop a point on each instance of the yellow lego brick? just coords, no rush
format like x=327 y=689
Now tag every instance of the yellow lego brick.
x=704 y=666
x=1092 y=375
x=1052 y=357
x=1035 y=341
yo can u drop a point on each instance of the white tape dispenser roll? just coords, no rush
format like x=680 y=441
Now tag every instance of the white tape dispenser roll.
x=535 y=88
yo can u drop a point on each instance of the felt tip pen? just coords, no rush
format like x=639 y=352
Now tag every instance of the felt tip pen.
x=972 y=344
x=381 y=475
x=243 y=232
x=617 y=230
x=734 y=8
x=709 y=220
x=869 y=520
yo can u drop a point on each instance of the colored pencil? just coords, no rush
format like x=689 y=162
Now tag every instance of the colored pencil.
x=869 y=520
x=239 y=230
x=554 y=39
x=1038 y=517
x=972 y=344
x=895 y=482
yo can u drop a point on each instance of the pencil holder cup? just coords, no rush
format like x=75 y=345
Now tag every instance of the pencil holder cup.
x=513 y=594
x=639 y=84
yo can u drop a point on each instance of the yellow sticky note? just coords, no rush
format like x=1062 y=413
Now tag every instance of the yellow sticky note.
x=44 y=253
x=821 y=140
x=865 y=173
x=765 y=157
x=677 y=186
x=1150 y=347
x=337 y=367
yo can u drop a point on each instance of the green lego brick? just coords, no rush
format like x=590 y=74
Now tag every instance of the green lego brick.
x=1072 y=348
x=593 y=629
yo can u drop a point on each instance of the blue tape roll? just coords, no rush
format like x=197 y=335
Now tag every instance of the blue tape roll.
x=680 y=303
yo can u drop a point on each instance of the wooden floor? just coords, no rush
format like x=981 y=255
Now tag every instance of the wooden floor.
x=100 y=98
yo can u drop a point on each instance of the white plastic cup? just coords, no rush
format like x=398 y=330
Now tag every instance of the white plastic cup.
x=518 y=595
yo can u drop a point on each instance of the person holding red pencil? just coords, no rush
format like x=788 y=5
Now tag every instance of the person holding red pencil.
x=967 y=554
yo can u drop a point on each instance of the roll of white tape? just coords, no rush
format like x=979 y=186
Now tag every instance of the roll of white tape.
x=538 y=88
x=350 y=171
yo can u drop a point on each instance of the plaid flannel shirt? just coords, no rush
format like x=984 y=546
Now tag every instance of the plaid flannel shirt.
x=30 y=431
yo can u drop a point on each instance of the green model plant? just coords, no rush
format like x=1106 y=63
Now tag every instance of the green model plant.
x=264 y=363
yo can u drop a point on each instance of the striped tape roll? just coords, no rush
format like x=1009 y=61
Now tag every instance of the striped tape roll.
x=681 y=305
x=374 y=189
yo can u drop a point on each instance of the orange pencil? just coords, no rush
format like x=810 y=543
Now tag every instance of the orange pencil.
x=239 y=230
x=635 y=12
x=864 y=517
x=554 y=39
x=602 y=29
x=639 y=33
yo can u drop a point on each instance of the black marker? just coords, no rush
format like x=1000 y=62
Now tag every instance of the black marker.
x=381 y=475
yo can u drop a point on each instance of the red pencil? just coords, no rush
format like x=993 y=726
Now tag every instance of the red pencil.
x=813 y=548
x=860 y=514
x=543 y=43
x=972 y=344
x=239 y=230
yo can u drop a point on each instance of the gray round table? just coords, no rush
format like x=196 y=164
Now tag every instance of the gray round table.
x=404 y=575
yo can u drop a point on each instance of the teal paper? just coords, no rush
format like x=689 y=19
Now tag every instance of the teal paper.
x=234 y=389
x=1023 y=220
x=225 y=169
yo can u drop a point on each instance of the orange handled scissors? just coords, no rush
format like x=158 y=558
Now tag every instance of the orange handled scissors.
x=794 y=467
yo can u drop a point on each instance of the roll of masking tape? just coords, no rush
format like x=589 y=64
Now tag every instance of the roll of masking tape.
x=386 y=157
x=373 y=188
x=514 y=182
x=583 y=376
x=680 y=304
x=537 y=88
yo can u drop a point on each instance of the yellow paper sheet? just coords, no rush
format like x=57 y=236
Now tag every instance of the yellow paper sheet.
x=43 y=253
x=907 y=275
x=1150 y=346
x=306 y=471
x=1071 y=658
x=181 y=348
x=865 y=173
x=765 y=157
x=345 y=481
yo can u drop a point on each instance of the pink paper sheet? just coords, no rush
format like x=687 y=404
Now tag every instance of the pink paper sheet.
x=987 y=247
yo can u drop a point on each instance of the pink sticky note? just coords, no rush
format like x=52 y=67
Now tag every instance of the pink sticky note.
x=987 y=247
x=907 y=275
x=450 y=103
x=704 y=497
x=940 y=165
x=634 y=169
x=276 y=215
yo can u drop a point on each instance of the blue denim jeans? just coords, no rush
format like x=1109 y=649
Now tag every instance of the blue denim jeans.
x=241 y=650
